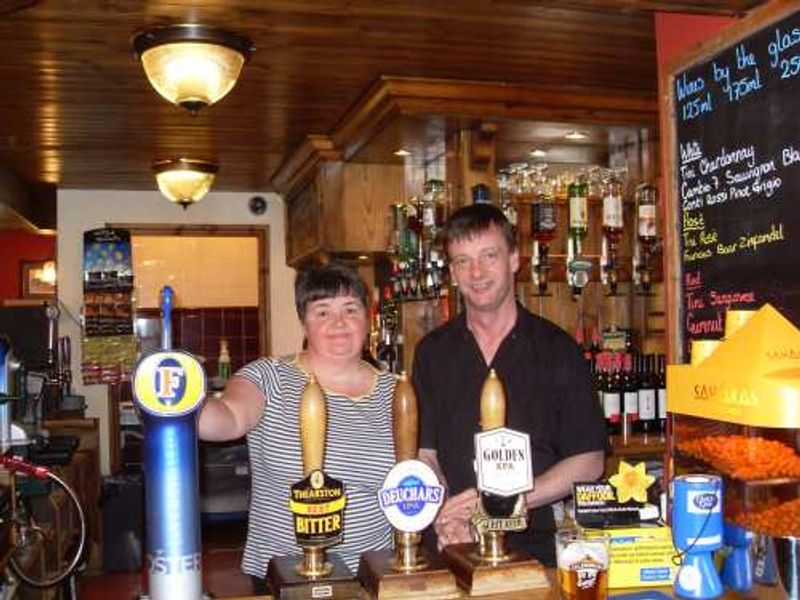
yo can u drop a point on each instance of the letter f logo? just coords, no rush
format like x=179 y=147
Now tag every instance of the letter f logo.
x=169 y=384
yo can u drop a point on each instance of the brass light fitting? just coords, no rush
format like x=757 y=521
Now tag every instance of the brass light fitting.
x=192 y=66
x=184 y=180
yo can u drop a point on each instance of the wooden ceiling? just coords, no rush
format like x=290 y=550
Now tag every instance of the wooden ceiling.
x=77 y=111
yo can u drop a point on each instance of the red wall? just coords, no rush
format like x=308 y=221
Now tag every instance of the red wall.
x=18 y=246
x=676 y=33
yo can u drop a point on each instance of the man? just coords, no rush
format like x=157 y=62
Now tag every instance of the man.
x=547 y=385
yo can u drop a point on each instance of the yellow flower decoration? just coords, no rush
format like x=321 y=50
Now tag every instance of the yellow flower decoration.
x=631 y=483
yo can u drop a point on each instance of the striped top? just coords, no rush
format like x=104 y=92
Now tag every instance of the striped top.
x=359 y=451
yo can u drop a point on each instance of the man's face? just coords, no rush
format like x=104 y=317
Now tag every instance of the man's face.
x=483 y=267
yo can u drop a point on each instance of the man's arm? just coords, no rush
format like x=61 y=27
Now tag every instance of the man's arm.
x=556 y=483
x=234 y=414
x=452 y=523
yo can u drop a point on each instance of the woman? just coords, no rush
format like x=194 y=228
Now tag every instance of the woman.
x=262 y=401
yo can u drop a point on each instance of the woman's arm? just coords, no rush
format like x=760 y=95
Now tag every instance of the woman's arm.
x=234 y=414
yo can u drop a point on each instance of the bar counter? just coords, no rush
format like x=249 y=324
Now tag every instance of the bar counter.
x=758 y=592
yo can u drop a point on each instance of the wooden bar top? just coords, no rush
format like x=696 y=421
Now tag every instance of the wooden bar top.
x=756 y=593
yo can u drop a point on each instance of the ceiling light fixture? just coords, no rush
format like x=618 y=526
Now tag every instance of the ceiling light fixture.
x=576 y=135
x=192 y=66
x=538 y=153
x=48 y=273
x=402 y=152
x=184 y=180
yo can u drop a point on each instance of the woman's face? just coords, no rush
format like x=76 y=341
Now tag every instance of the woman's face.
x=336 y=327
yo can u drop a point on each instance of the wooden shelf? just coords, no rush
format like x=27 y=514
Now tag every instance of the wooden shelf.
x=637 y=446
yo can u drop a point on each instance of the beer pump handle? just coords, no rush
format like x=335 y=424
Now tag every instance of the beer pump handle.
x=167 y=296
x=405 y=420
x=313 y=424
x=493 y=403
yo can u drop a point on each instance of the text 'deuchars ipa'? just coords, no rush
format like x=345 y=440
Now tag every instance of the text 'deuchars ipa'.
x=410 y=498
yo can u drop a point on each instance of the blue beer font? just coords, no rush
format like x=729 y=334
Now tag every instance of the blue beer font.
x=169 y=388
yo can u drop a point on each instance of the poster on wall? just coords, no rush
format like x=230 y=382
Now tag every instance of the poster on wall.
x=109 y=345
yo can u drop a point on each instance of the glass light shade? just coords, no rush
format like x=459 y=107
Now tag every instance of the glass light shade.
x=192 y=65
x=184 y=181
x=192 y=74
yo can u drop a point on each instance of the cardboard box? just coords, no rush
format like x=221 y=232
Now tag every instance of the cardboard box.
x=641 y=556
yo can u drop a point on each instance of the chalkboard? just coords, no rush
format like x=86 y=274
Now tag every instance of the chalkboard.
x=736 y=178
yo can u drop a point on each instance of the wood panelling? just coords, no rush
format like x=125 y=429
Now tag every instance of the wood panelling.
x=76 y=110
x=368 y=191
x=303 y=225
x=345 y=210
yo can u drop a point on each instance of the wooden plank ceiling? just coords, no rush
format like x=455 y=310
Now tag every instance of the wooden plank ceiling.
x=76 y=110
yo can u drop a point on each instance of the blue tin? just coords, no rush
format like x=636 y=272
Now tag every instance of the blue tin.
x=697 y=533
x=697 y=512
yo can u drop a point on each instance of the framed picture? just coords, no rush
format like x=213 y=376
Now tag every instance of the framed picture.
x=38 y=279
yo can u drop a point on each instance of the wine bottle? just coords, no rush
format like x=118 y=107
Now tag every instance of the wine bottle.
x=661 y=388
x=648 y=403
x=630 y=396
x=612 y=399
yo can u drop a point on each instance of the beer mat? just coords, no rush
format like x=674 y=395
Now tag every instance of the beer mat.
x=648 y=595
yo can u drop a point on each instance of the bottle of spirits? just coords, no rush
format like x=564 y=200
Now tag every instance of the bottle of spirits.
x=612 y=398
x=612 y=232
x=578 y=266
x=612 y=210
x=648 y=399
x=387 y=352
x=647 y=232
x=543 y=218
x=543 y=232
x=223 y=363
x=647 y=214
x=578 y=211
x=433 y=209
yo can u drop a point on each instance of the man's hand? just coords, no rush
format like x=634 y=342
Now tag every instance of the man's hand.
x=452 y=525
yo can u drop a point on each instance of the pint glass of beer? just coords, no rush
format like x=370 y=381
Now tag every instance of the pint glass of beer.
x=582 y=558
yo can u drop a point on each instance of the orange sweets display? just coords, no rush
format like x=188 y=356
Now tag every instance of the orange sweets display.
x=770 y=518
x=745 y=458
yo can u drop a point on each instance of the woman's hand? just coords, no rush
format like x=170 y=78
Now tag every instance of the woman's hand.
x=452 y=524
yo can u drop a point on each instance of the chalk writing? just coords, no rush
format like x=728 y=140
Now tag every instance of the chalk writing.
x=737 y=167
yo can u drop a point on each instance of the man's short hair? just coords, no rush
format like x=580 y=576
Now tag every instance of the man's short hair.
x=317 y=282
x=474 y=219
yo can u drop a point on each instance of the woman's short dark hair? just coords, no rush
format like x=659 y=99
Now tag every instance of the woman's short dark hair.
x=317 y=282
x=469 y=221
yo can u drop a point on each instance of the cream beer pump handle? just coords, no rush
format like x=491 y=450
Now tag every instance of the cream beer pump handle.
x=493 y=403
x=405 y=421
x=313 y=423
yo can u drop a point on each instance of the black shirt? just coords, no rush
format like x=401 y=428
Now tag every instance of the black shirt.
x=548 y=395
